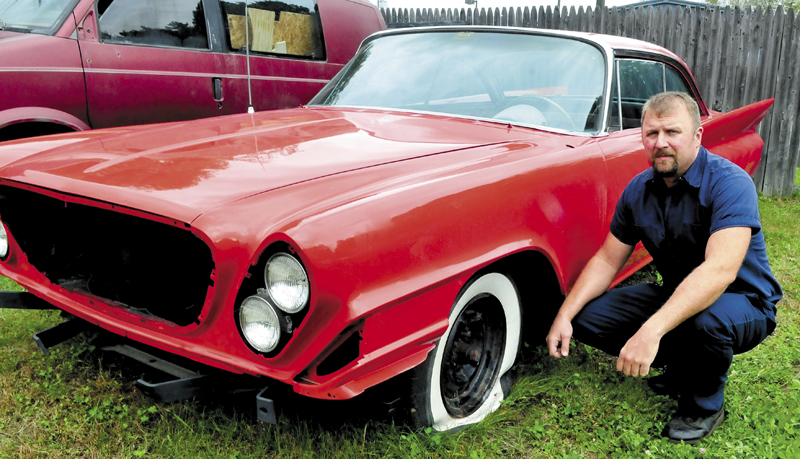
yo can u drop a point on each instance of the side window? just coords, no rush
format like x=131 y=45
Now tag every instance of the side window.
x=674 y=81
x=290 y=28
x=173 y=23
x=638 y=81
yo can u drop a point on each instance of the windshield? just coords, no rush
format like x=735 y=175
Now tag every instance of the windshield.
x=40 y=16
x=543 y=81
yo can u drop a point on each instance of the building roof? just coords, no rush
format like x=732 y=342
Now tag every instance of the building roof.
x=666 y=3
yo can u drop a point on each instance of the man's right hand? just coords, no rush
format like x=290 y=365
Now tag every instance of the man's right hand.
x=559 y=336
x=593 y=281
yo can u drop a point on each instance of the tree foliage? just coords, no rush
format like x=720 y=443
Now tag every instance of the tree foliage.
x=764 y=4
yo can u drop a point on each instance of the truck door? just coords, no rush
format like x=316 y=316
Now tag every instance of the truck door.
x=149 y=61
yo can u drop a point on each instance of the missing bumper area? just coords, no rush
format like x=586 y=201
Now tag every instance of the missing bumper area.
x=155 y=269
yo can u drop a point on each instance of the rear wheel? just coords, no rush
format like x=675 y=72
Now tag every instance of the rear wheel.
x=465 y=377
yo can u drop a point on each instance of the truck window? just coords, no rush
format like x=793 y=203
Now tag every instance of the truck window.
x=290 y=28
x=172 y=23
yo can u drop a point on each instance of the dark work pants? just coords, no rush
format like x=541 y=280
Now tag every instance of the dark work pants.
x=697 y=353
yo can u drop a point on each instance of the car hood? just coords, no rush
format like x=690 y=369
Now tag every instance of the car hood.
x=180 y=170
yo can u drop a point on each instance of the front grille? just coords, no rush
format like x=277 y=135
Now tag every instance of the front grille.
x=152 y=268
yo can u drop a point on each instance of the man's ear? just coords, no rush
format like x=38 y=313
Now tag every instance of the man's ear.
x=698 y=135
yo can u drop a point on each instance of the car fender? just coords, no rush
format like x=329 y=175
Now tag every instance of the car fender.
x=385 y=258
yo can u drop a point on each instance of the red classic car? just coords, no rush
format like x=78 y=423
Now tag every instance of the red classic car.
x=68 y=65
x=419 y=219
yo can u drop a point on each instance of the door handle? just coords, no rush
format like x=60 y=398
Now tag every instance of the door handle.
x=217 y=85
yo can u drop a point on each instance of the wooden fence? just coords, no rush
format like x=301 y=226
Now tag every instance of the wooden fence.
x=738 y=56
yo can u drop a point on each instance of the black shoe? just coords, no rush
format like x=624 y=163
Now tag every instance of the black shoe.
x=690 y=429
x=664 y=385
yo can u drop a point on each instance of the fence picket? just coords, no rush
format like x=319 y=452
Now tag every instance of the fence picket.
x=795 y=140
x=779 y=159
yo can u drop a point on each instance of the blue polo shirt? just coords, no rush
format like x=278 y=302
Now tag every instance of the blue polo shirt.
x=674 y=224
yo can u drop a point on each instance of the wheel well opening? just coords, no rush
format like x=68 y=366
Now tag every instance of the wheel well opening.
x=538 y=288
x=32 y=129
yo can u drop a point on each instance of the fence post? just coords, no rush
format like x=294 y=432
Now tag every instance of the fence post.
x=781 y=158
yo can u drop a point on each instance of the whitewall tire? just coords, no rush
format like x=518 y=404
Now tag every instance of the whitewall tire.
x=460 y=382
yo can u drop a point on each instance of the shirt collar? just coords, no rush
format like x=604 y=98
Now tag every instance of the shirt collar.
x=693 y=176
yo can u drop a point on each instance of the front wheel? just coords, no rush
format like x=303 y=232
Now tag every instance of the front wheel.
x=462 y=380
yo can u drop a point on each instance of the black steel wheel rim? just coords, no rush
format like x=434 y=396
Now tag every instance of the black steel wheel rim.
x=472 y=356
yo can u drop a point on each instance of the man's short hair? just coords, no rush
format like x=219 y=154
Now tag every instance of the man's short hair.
x=667 y=102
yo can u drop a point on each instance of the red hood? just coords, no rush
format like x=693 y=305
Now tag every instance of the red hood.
x=180 y=170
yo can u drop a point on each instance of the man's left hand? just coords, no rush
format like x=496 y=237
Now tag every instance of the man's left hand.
x=637 y=354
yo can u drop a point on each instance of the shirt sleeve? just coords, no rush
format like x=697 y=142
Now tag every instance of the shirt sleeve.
x=622 y=225
x=735 y=203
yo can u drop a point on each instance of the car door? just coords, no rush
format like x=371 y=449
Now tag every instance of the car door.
x=149 y=61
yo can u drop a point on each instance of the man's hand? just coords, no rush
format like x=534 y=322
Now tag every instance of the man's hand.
x=638 y=354
x=595 y=279
x=725 y=252
x=559 y=336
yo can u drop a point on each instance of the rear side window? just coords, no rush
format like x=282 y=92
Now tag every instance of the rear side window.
x=674 y=81
x=638 y=81
x=171 y=23
x=288 y=28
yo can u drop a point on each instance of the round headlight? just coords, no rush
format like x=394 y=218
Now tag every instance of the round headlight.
x=287 y=282
x=3 y=241
x=260 y=324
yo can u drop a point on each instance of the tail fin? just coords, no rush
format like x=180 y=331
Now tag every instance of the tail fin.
x=733 y=134
x=724 y=126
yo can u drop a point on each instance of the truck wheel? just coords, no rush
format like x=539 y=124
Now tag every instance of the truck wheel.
x=465 y=377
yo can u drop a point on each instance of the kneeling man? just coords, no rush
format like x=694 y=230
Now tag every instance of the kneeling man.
x=697 y=215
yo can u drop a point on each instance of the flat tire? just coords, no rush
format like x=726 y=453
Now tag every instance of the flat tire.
x=465 y=377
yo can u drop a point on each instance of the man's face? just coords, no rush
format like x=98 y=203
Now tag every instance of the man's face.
x=670 y=142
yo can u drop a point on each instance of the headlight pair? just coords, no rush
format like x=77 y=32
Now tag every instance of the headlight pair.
x=262 y=317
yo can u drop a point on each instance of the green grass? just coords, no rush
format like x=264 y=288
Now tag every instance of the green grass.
x=77 y=403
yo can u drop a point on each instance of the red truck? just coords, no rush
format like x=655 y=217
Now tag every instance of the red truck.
x=71 y=65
